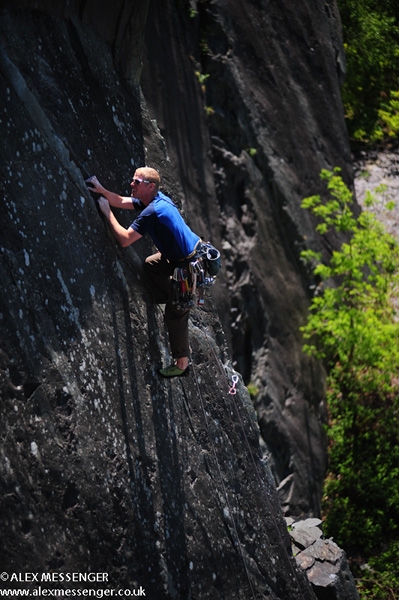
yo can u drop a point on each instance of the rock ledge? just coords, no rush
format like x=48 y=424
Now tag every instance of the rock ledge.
x=323 y=561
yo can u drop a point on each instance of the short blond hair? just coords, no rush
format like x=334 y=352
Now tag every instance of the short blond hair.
x=150 y=174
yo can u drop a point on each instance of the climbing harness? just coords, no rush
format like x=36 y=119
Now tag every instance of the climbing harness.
x=191 y=281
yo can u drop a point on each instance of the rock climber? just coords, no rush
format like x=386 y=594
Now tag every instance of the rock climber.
x=176 y=244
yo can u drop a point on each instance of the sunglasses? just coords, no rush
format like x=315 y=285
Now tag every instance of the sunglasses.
x=138 y=181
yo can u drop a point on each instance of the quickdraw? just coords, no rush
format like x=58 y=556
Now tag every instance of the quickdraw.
x=182 y=288
x=233 y=390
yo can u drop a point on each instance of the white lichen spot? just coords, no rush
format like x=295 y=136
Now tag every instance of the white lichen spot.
x=34 y=449
x=82 y=200
x=118 y=123
x=7 y=464
x=73 y=311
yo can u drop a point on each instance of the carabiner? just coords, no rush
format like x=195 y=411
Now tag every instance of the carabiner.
x=233 y=390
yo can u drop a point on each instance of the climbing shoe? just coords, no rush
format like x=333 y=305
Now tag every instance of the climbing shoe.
x=173 y=371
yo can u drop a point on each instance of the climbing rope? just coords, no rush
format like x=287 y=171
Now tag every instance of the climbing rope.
x=230 y=512
x=232 y=392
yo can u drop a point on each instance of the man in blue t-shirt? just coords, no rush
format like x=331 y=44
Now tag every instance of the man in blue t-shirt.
x=161 y=220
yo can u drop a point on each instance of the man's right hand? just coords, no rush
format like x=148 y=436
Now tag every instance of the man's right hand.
x=94 y=185
x=114 y=199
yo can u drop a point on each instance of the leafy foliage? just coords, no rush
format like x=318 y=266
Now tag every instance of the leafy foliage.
x=389 y=115
x=371 y=42
x=380 y=579
x=354 y=322
x=353 y=326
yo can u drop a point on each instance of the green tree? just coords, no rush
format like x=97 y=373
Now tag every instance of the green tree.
x=353 y=326
x=371 y=42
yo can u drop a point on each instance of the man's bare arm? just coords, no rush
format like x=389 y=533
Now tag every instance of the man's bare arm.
x=114 y=199
x=124 y=236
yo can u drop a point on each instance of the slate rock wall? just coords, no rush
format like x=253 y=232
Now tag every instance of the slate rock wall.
x=247 y=97
x=246 y=106
x=105 y=468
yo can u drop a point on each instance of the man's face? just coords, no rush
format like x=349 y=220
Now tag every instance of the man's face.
x=139 y=186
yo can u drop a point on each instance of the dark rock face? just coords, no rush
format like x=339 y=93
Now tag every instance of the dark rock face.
x=104 y=467
x=247 y=97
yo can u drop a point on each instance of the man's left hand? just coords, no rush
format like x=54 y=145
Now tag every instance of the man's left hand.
x=104 y=206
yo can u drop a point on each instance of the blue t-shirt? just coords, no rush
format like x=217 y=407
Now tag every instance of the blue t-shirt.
x=167 y=228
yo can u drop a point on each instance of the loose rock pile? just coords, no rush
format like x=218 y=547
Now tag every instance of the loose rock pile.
x=323 y=561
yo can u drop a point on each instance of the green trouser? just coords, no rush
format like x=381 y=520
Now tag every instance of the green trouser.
x=159 y=271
